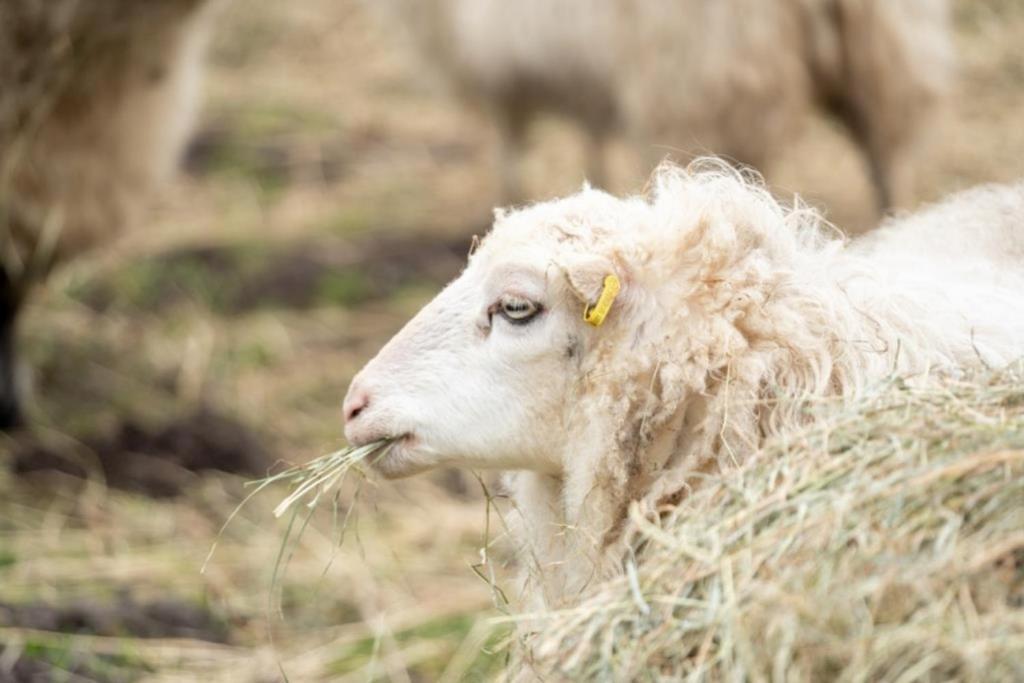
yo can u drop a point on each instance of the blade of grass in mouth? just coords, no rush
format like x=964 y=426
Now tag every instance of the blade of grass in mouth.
x=322 y=473
x=315 y=477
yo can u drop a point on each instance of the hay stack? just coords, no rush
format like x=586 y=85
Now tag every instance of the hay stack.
x=884 y=543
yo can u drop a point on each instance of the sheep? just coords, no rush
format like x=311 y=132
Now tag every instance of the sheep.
x=96 y=99
x=733 y=313
x=733 y=78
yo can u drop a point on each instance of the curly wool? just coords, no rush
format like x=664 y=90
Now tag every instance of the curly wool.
x=737 y=313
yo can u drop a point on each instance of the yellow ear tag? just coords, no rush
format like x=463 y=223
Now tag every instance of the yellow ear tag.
x=596 y=314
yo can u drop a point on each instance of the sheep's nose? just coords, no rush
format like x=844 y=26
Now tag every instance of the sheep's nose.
x=355 y=403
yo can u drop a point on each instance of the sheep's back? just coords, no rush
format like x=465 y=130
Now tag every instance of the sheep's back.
x=959 y=267
x=521 y=58
x=727 y=77
x=983 y=225
x=730 y=77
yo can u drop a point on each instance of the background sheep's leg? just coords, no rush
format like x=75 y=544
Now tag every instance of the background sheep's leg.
x=10 y=409
x=597 y=172
x=892 y=176
x=889 y=159
x=510 y=159
x=894 y=72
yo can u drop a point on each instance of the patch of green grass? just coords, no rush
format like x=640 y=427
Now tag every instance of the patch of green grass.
x=71 y=661
x=351 y=219
x=252 y=356
x=448 y=633
x=446 y=627
x=7 y=558
x=412 y=296
x=348 y=287
x=263 y=166
x=258 y=120
x=198 y=280
x=264 y=143
x=238 y=278
x=314 y=603
x=210 y=277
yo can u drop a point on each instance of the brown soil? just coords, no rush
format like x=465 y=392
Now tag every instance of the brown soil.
x=328 y=271
x=157 y=461
x=125 y=617
x=164 y=618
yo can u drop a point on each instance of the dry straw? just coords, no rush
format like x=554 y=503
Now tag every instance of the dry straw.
x=317 y=477
x=883 y=542
x=311 y=482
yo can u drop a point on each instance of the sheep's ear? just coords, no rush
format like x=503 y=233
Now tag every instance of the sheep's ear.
x=595 y=281
x=586 y=275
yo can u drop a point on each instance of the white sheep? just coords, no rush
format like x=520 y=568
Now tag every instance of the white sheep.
x=95 y=101
x=734 y=78
x=734 y=312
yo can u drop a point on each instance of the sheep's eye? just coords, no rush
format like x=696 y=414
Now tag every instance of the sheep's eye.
x=517 y=310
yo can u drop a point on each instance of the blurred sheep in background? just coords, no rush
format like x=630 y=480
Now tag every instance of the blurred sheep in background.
x=96 y=100
x=735 y=78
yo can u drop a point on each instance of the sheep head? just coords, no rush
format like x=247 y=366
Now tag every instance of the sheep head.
x=484 y=375
x=502 y=370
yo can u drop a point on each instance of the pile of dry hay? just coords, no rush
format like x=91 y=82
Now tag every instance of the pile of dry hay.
x=884 y=543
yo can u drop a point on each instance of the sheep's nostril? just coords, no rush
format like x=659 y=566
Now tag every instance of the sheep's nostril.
x=355 y=404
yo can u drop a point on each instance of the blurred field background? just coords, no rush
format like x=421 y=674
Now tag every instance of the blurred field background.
x=330 y=189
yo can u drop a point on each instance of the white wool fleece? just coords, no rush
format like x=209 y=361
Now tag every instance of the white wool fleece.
x=734 y=312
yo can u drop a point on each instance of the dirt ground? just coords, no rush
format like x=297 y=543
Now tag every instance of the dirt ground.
x=330 y=190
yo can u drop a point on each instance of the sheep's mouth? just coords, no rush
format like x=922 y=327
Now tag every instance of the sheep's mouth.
x=397 y=459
